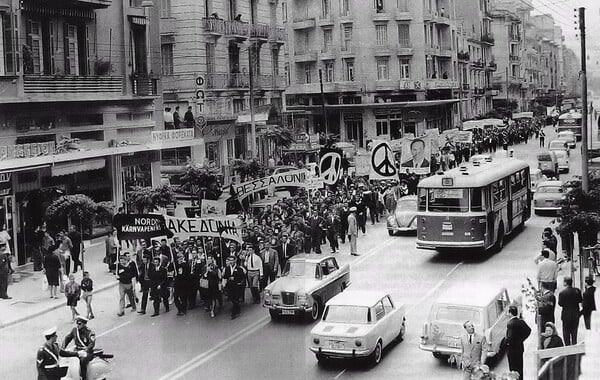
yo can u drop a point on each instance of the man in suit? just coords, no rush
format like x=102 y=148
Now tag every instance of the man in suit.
x=517 y=331
x=589 y=302
x=352 y=231
x=546 y=306
x=316 y=230
x=332 y=223
x=144 y=279
x=473 y=352
x=158 y=285
x=286 y=250
x=270 y=261
x=417 y=149
x=233 y=281
x=569 y=299
x=343 y=216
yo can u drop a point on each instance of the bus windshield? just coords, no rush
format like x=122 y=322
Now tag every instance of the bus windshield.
x=443 y=200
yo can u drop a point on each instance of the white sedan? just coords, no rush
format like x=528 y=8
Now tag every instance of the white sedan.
x=358 y=324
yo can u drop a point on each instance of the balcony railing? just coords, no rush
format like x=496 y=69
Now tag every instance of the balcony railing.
x=487 y=38
x=260 y=31
x=72 y=85
x=237 y=28
x=214 y=25
x=144 y=85
x=477 y=63
x=268 y=81
x=463 y=55
x=465 y=87
x=492 y=65
x=224 y=80
x=277 y=34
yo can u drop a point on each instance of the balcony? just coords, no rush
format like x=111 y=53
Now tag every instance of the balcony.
x=237 y=29
x=383 y=49
x=514 y=58
x=223 y=81
x=487 y=38
x=145 y=85
x=346 y=17
x=326 y=19
x=478 y=64
x=269 y=82
x=515 y=37
x=305 y=55
x=405 y=49
x=386 y=85
x=380 y=15
x=214 y=26
x=491 y=66
x=403 y=15
x=465 y=87
x=440 y=84
x=463 y=56
x=347 y=50
x=327 y=53
x=445 y=51
x=260 y=31
x=168 y=26
x=277 y=35
x=303 y=22
x=77 y=87
x=93 y=4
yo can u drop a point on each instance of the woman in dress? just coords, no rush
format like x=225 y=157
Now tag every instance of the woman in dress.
x=52 y=271
x=213 y=276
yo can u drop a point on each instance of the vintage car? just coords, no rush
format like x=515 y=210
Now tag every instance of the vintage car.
x=404 y=218
x=358 y=324
x=484 y=305
x=306 y=284
x=548 y=196
x=569 y=137
x=558 y=144
x=562 y=157
x=536 y=176
x=547 y=163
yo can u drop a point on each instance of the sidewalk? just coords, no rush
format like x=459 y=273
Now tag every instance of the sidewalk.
x=28 y=299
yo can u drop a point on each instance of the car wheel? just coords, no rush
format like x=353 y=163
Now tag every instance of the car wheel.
x=316 y=311
x=438 y=355
x=400 y=336
x=390 y=232
x=377 y=352
x=274 y=315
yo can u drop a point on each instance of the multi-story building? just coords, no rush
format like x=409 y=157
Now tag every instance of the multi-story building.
x=545 y=32
x=475 y=59
x=508 y=80
x=388 y=67
x=78 y=101
x=233 y=46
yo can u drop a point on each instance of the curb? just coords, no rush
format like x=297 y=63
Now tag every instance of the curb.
x=52 y=307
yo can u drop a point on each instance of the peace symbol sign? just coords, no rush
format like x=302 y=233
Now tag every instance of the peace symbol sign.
x=330 y=167
x=382 y=160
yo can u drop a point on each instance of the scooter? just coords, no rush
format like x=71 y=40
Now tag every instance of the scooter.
x=97 y=369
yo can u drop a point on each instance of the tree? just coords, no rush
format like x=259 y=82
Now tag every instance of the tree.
x=281 y=137
x=202 y=182
x=248 y=168
x=581 y=213
x=142 y=200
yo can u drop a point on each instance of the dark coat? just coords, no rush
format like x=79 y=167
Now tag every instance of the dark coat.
x=554 y=342
x=547 y=305
x=569 y=299
x=589 y=302
x=517 y=331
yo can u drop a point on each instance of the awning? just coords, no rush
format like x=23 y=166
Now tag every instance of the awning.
x=66 y=168
x=261 y=115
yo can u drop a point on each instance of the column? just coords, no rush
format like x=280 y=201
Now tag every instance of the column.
x=116 y=176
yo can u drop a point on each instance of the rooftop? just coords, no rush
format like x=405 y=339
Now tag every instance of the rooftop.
x=476 y=295
x=364 y=298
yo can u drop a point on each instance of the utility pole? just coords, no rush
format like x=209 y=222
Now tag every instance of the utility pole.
x=323 y=102
x=252 y=57
x=585 y=179
x=507 y=84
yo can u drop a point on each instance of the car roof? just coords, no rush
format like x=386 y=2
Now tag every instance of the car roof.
x=566 y=132
x=364 y=298
x=471 y=174
x=558 y=141
x=479 y=295
x=310 y=258
x=550 y=183
x=408 y=198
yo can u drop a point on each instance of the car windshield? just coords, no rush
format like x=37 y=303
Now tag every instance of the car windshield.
x=347 y=314
x=566 y=136
x=557 y=144
x=448 y=200
x=550 y=189
x=299 y=269
x=457 y=314
x=561 y=154
x=407 y=205
x=544 y=157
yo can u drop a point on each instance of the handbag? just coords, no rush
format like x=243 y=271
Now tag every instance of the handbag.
x=204 y=283
x=44 y=284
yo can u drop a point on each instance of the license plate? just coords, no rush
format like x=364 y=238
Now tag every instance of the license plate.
x=549 y=201
x=447 y=227
x=454 y=343
x=336 y=345
x=287 y=312
x=447 y=233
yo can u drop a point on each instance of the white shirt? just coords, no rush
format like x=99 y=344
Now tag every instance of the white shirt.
x=254 y=263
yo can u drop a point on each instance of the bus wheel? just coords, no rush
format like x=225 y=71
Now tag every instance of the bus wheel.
x=500 y=239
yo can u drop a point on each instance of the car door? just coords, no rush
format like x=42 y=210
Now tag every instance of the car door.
x=498 y=308
x=380 y=322
x=327 y=284
x=391 y=325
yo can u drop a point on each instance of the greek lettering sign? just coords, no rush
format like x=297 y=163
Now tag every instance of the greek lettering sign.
x=140 y=226
x=292 y=178
x=173 y=135
x=227 y=228
x=27 y=150
x=314 y=183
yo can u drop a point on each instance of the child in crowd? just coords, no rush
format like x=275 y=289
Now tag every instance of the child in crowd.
x=87 y=286
x=73 y=292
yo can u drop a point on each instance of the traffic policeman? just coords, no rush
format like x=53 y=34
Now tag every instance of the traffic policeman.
x=47 y=357
x=84 y=340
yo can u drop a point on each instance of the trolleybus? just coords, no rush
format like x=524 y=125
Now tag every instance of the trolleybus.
x=570 y=121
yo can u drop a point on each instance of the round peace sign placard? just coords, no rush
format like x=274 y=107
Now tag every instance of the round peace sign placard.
x=330 y=167
x=382 y=160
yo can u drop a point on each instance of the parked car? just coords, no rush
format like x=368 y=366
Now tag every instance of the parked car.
x=562 y=158
x=536 y=176
x=549 y=196
x=548 y=163
x=483 y=304
x=569 y=137
x=358 y=324
x=558 y=145
x=404 y=218
x=306 y=284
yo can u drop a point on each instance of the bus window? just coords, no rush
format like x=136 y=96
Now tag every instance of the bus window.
x=499 y=191
x=422 y=199
x=477 y=201
x=442 y=200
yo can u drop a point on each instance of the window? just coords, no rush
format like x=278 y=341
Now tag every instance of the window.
x=230 y=150
x=346 y=37
x=210 y=58
x=383 y=72
x=232 y=9
x=166 y=53
x=329 y=71
x=238 y=105
x=344 y=7
x=35 y=64
x=327 y=39
x=284 y=11
x=447 y=199
x=208 y=8
x=405 y=68
x=307 y=73
x=326 y=8
x=404 y=35
x=518 y=181
x=275 y=62
x=387 y=304
x=378 y=5
x=382 y=127
x=379 y=311
x=499 y=191
x=402 y=5
x=349 y=70
x=165 y=8
x=477 y=199
x=288 y=77
x=381 y=34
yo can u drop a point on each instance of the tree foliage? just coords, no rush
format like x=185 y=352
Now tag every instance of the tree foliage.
x=80 y=209
x=147 y=199
x=201 y=181
x=581 y=213
x=281 y=137
x=249 y=168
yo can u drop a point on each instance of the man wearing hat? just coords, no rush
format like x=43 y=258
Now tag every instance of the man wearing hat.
x=5 y=268
x=47 y=357
x=352 y=230
x=84 y=340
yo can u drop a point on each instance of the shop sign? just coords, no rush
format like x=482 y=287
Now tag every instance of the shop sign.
x=5 y=184
x=8 y=152
x=410 y=85
x=173 y=135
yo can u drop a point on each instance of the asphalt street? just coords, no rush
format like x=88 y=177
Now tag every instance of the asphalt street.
x=253 y=347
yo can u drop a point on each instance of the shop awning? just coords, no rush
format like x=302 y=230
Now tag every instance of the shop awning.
x=261 y=115
x=66 y=168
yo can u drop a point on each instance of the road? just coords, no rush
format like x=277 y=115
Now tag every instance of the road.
x=254 y=347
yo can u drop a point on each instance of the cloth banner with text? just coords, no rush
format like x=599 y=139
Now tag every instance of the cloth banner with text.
x=330 y=165
x=140 y=226
x=416 y=155
x=227 y=228
x=212 y=208
x=382 y=161
x=292 y=178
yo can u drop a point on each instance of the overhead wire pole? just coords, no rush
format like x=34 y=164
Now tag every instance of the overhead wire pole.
x=585 y=180
x=252 y=57
x=323 y=102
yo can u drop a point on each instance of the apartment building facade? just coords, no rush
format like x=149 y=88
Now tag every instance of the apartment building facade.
x=475 y=59
x=226 y=43
x=78 y=105
x=388 y=67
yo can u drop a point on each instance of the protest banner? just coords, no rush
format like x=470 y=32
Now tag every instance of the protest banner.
x=416 y=155
x=140 y=226
x=227 y=228
x=362 y=165
x=212 y=208
x=382 y=161
x=291 y=178
x=314 y=183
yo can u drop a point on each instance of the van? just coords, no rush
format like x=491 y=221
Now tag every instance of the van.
x=486 y=306
x=548 y=163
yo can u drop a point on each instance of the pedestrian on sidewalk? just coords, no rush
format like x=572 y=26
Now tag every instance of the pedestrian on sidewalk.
x=569 y=299
x=111 y=243
x=517 y=331
x=5 y=268
x=542 y=138
x=52 y=271
x=87 y=287
x=65 y=247
x=76 y=241
x=352 y=231
x=473 y=350
x=546 y=306
x=36 y=247
x=589 y=302
x=126 y=274
x=73 y=293
x=547 y=271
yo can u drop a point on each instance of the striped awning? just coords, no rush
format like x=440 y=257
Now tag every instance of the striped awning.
x=138 y=20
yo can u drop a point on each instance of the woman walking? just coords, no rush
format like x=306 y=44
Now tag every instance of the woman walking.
x=52 y=271
x=213 y=281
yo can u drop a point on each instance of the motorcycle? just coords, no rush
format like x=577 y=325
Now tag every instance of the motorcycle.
x=97 y=369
